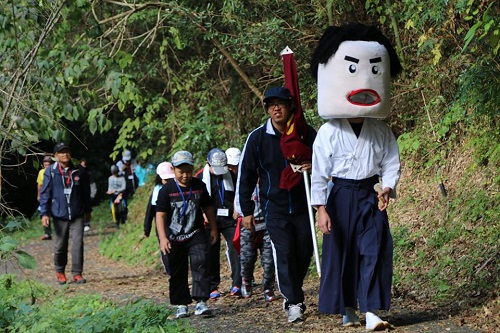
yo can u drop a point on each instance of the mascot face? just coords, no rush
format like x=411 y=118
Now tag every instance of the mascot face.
x=355 y=82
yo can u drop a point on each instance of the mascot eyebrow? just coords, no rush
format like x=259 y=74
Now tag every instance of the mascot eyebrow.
x=356 y=60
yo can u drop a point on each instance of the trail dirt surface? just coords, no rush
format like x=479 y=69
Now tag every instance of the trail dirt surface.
x=122 y=283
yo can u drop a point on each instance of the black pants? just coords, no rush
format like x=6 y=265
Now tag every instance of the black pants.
x=293 y=249
x=194 y=251
x=227 y=230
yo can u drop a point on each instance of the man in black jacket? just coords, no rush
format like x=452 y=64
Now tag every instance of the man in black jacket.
x=285 y=212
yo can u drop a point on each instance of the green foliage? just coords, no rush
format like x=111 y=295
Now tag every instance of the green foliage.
x=85 y=313
x=128 y=243
x=9 y=245
x=487 y=25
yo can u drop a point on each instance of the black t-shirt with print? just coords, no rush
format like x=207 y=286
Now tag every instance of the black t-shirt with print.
x=183 y=207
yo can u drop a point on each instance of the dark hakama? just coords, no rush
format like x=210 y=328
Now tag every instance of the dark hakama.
x=357 y=255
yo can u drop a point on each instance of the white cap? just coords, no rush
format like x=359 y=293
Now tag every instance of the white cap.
x=165 y=170
x=233 y=156
x=127 y=155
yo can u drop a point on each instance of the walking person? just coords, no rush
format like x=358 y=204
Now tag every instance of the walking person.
x=117 y=188
x=65 y=196
x=93 y=189
x=126 y=168
x=47 y=162
x=179 y=220
x=354 y=152
x=252 y=241
x=285 y=211
x=164 y=173
x=220 y=184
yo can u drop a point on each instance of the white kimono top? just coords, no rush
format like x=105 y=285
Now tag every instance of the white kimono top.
x=337 y=152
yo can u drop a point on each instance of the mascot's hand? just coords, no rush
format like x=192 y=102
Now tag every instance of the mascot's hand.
x=324 y=222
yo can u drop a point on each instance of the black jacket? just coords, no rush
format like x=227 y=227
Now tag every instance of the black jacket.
x=263 y=161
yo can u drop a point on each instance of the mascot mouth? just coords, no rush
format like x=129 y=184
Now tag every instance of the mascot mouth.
x=363 y=97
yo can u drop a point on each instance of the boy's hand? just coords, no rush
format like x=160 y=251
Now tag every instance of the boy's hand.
x=214 y=234
x=165 y=245
x=248 y=222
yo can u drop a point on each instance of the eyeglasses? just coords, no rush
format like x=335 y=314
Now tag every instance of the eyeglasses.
x=64 y=153
x=272 y=105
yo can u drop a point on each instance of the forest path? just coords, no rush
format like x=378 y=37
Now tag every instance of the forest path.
x=122 y=283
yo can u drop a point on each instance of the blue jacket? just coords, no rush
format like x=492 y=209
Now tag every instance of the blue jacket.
x=263 y=161
x=60 y=205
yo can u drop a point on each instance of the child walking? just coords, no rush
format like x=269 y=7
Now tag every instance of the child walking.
x=164 y=173
x=179 y=216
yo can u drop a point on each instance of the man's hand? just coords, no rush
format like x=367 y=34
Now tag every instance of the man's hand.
x=324 y=222
x=306 y=166
x=248 y=222
x=45 y=221
x=384 y=198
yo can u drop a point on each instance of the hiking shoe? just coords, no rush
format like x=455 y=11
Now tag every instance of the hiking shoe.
x=235 y=291
x=78 y=278
x=246 y=289
x=86 y=228
x=61 y=278
x=295 y=313
x=201 y=309
x=46 y=237
x=350 y=318
x=182 y=311
x=214 y=294
x=269 y=295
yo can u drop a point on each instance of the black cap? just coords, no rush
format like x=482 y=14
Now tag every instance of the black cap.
x=61 y=146
x=278 y=92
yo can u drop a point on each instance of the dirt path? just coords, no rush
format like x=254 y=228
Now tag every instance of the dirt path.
x=122 y=283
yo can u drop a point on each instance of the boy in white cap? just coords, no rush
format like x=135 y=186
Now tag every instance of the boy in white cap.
x=220 y=185
x=180 y=223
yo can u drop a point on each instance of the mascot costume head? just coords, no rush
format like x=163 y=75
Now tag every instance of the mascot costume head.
x=353 y=65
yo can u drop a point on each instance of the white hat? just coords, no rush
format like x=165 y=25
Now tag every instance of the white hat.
x=165 y=170
x=127 y=155
x=233 y=156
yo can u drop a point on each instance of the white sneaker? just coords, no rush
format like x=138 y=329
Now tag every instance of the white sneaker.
x=182 y=311
x=374 y=323
x=350 y=318
x=202 y=309
x=86 y=228
x=295 y=313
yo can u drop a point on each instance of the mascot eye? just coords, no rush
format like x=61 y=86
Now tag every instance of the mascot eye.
x=375 y=70
x=353 y=69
